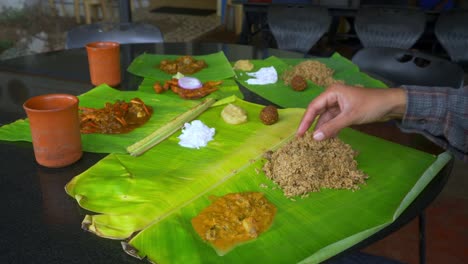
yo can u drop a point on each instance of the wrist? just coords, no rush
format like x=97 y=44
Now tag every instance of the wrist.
x=398 y=99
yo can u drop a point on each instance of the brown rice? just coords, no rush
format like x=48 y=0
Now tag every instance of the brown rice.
x=304 y=165
x=312 y=70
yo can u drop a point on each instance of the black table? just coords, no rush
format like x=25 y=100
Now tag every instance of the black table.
x=40 y=223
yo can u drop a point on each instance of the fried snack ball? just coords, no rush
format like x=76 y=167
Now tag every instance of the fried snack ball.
x=298 y=83
x=269 y=115
x=234 y=115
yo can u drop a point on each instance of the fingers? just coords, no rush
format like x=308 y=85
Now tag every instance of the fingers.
x=332 y=127
x=308 y=118
x=340 y=106
x=331 y=113
x=317 y=107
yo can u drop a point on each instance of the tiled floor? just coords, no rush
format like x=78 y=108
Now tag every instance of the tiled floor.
x=446 y=217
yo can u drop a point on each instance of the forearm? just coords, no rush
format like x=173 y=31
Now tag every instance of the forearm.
x=440 y=114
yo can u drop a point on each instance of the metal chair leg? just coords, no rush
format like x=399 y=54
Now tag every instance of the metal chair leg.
x=422 y=238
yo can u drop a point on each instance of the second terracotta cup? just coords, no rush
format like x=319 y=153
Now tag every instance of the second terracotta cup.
x=104 y=62
x=55 y=129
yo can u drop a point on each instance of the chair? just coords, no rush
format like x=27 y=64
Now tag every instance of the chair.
x=389 y=26
x=91 y=7
x=400 y=66
x=233 y=12
x=451 y=29
x=297 y=28
x=124 y=33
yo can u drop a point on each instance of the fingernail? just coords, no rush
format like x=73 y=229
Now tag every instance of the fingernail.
x=319 y=136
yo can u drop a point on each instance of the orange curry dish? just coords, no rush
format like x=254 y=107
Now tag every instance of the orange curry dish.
x=184 y=65
x=207 y=88
x=233 y=219
x=119 y=117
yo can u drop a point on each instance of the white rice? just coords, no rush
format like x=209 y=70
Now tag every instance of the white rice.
x=196 y=135
x=265 y=75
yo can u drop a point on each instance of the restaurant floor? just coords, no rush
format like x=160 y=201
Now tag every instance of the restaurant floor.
x=446 y=217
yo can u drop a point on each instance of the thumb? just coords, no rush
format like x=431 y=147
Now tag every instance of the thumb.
x=330 y=128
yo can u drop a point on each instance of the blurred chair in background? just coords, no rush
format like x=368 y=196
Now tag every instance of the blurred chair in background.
x=124 y=33
x=389 y=26
x=297 y=28
x=451 y=29
x=401 y=66
x=91 y=8
x=233 y=15
x=52 y=6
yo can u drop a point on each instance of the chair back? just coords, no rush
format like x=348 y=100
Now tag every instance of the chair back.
x=451 y=29
x=297 y=27
x=409 y=67
x=389 y=26
x=124 y=33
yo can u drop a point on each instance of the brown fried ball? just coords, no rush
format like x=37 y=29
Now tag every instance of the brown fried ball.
x=269 y=115
x=298 y=83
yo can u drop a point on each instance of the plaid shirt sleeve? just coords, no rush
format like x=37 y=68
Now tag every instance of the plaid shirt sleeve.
x=440 y=114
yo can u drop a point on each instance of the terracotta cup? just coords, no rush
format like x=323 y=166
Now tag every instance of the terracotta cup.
x=55 y=129
x=104 y=62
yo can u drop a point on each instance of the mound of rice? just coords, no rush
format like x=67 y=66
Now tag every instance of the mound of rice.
x=312 y=70
x=304 y=165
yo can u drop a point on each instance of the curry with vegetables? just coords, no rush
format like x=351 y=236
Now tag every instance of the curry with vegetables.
x=115 y=118
x=233 y=219
x=183 y=64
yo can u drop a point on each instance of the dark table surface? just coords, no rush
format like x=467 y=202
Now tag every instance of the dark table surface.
x=40 y=223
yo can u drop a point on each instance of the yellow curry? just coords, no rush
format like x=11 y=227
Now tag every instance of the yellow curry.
x=233 y=219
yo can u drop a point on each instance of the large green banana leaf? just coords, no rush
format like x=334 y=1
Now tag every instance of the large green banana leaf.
x=166 y=107
x=154 y=196
x=131 y=192
x=284 y=96
x=146 y=65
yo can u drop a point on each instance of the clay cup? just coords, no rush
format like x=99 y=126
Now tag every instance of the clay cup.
x=104 y=62
x=55 y=129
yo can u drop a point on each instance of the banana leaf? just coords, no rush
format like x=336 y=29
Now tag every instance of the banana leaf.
x=146 y=65
x=165 y=106
x=152 y=198
x=284 y=96
x=130 y=192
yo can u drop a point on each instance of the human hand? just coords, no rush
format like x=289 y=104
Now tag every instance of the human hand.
x=340 y=106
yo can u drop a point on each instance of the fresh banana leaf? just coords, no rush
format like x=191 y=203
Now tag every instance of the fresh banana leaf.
x=146 y=65
x=128 y=190
x=165 y=109
x=155 y=196
x=284 y=96
x=307 y=230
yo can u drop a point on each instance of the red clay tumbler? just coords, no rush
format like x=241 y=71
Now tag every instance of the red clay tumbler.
x=55 y=129
x=104 y=62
